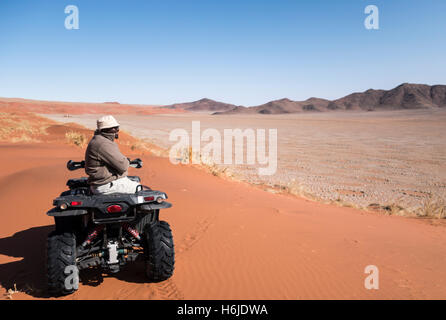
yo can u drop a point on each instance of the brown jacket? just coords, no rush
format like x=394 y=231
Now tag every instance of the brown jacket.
x=104 y=162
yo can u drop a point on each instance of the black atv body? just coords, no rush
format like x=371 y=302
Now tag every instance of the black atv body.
x=107 y=232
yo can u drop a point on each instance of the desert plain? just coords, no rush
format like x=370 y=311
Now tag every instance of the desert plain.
x=238 y=235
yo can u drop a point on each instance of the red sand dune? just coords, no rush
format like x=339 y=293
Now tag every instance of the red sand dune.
x=233 y=240
x=51 y=107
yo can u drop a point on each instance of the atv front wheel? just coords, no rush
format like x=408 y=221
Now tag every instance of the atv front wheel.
x=63 y=275
x=160 y=255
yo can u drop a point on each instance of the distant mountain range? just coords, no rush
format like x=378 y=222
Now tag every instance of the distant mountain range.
x=203 y=105
x=405 y=96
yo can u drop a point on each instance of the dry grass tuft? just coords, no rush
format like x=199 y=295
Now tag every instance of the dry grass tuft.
x=432 y=207
x=141 y=146
x=295 y=188
x=187 y=156
x=394 y=209
x=14 y=128
x=76 y=138
x=23 y=138
x=217 y=171
x=342 y=203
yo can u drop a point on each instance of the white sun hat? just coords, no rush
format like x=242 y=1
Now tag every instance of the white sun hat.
x=107 y=122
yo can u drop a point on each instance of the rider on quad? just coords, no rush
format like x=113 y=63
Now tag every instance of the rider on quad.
x=105 y=165
x=107 y=220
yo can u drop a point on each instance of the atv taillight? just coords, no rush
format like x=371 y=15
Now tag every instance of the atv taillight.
x=76 y=203
x=149 y=198
x=114 y=208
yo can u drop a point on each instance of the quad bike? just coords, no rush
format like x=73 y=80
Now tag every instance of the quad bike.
x=106 y=232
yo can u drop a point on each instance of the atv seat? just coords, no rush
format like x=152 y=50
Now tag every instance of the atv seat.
x=78 y=183
x=83 y=183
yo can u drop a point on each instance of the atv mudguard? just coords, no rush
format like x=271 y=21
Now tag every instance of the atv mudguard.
x=55 y=212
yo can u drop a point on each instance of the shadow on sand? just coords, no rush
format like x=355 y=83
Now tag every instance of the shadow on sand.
x=28 y=272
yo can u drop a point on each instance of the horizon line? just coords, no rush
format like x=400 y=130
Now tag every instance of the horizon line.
x=220 y=101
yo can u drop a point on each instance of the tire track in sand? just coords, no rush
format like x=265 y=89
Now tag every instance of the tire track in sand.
x=190 y=239
x=167 y=290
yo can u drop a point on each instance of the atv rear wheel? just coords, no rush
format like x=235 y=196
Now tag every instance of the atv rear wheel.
x=63 y=275
x=159 y=251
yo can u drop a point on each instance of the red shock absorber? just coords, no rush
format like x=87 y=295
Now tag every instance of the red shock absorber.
x=132 y=231
x=92 y=235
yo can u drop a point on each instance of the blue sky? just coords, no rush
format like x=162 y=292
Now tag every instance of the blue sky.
x=243 y=52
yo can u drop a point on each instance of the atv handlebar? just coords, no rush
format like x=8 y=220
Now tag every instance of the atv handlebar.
x=137 y=163
x=73 y=165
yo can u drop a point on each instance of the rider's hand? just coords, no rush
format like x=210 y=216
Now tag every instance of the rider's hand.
x=139 y=161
